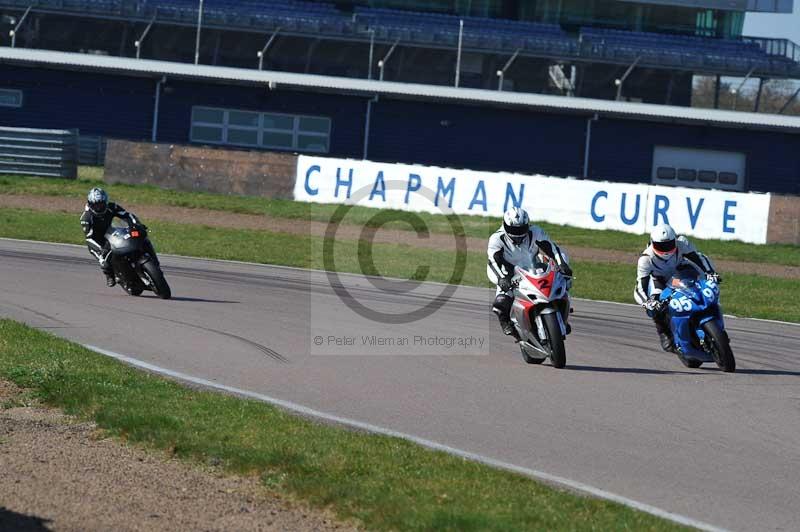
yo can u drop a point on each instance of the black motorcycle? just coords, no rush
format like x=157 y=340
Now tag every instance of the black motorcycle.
x=136 y=266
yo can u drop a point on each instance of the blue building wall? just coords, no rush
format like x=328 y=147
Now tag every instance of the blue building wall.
x=622 y=151
x=433 y=133
x=478 y=138
x=96 y=104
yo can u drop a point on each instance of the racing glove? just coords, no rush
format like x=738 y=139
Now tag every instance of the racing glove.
x=653 y=304
x=504 y=284
x=713 y=277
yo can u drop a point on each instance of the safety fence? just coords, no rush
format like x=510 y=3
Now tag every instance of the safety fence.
x=39 y=152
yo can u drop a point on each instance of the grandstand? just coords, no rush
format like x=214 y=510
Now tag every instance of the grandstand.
x=577 y=47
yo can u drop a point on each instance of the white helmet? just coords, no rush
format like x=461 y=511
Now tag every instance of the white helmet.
x=662 y=238
x=97 y=200
x=516 y=224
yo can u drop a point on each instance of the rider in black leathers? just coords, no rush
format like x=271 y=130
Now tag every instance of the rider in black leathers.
x=95 y=221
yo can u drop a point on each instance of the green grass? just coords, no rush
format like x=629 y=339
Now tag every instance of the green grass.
x=385 y=483
x=743 y=295
x=475 y=226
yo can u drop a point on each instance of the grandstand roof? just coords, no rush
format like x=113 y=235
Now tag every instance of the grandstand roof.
x=142 y=67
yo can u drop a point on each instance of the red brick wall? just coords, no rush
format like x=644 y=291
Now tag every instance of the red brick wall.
x=784 y=220
x=197 y=168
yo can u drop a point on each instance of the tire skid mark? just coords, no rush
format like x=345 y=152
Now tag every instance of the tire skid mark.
x=264 y=349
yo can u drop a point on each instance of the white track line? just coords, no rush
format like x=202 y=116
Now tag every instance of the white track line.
x=310 y=412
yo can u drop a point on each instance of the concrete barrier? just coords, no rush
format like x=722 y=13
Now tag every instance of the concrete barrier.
x=201 y=168
x=784 y=220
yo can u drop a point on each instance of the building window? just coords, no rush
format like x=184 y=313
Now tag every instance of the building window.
x=10 y=98
x=260 y=130
x=665 y=172
x=686 y=174
x=707 y=176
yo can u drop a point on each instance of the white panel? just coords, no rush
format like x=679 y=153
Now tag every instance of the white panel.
x=698 y=160
x=632 y=208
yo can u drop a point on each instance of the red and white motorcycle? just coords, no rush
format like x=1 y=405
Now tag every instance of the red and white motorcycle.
x=540 y=311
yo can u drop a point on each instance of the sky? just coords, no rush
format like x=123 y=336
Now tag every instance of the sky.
x=779 y=26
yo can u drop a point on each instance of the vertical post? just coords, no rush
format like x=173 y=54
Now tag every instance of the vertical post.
x=367 y=122
x=789 y=101
x=716 y=91
x=154 y=134
x=458 y=58
x=371 y=51
x=18 y=26
x=199 y=27
x=758 y=94
x=587 y=147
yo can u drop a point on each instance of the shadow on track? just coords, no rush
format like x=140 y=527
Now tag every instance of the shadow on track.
x=765 y=372
x=191 y=299
x=201 y=300
x=640 y=371
x=20 y=522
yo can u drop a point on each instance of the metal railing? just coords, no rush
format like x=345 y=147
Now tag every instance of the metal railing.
x=92 y=150
x=39 y=152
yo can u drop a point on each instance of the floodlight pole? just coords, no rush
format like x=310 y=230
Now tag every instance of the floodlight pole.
x=199 y=27
x=263 y=51
x=371 y=51
x=13 y=33
x=382 y=62
x=138 y=43
x=501 y=74
x=739 y=88
x=460 y=44
x=619 y=82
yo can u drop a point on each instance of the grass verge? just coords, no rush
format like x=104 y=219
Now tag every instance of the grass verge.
x=743 y=295
x=475 y=226
x=386 y=483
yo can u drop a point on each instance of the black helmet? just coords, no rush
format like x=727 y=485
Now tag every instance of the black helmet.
x=97 y=200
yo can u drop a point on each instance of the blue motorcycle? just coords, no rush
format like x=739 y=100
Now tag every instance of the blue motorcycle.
x=697 y=324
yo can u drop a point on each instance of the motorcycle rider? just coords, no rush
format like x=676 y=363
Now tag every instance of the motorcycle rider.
x=664 y=255
x=514 y=243
x=95 y=221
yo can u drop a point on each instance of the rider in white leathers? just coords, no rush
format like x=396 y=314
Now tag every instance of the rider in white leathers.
x=663 y=256
x=514 y=243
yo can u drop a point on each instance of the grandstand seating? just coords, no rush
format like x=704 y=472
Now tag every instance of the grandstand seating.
x=436 y=29
x=677 y=49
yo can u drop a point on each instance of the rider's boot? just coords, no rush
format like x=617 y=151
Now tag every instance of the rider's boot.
x=507 y=325
x=664 y=334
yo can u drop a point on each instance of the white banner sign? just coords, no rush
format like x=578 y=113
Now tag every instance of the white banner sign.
x=633 y=208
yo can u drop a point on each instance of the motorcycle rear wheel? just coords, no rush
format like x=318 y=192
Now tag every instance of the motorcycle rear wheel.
x=159 y=284
x=720 y=347
x=558 y=353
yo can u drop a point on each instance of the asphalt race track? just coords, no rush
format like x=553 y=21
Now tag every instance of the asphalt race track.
x=720 y=448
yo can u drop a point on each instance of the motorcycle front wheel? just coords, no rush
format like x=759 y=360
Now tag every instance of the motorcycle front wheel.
x=720 y=347
x=156 y=276
x=558 y=353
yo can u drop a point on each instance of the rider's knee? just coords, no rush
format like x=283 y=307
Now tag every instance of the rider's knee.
x=502 y=304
